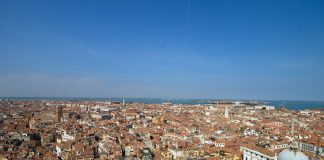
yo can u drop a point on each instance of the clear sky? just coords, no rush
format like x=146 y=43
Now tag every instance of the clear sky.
x=262 y=49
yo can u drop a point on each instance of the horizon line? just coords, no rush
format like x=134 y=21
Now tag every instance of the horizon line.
x=162 y=98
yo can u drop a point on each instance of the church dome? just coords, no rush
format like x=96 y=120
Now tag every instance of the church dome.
x=292 y=154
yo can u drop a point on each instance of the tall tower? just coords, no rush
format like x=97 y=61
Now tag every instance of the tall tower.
x=144 y=123
x=123 y=102
x=293 y=128
x=226 y=112
x=27 y=116
x=60 y=113
x=110 y=101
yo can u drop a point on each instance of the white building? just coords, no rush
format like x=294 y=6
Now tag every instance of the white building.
x=67 y=137
x=257 y=154
x=264 y=107
x=220 y=144
x=303 y=146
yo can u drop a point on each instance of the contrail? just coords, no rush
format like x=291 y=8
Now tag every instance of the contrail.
x=187 y=23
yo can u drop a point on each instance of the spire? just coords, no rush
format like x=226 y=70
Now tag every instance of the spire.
x=110 y=101
x=226 y=112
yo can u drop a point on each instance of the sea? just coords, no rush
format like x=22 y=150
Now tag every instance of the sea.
x=289 y=104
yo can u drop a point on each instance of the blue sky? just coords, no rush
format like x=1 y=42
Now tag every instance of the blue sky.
x=163 y=48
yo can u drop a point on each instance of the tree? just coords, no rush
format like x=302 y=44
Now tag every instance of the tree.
x=222 y=153
x=146 y=154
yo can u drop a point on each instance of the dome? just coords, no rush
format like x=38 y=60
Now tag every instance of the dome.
x=292 y=154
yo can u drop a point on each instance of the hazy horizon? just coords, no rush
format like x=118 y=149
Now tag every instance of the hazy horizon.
x=157 y=98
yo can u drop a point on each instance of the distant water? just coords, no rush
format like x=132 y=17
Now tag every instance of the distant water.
x=290 y=104
x=297 y=105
